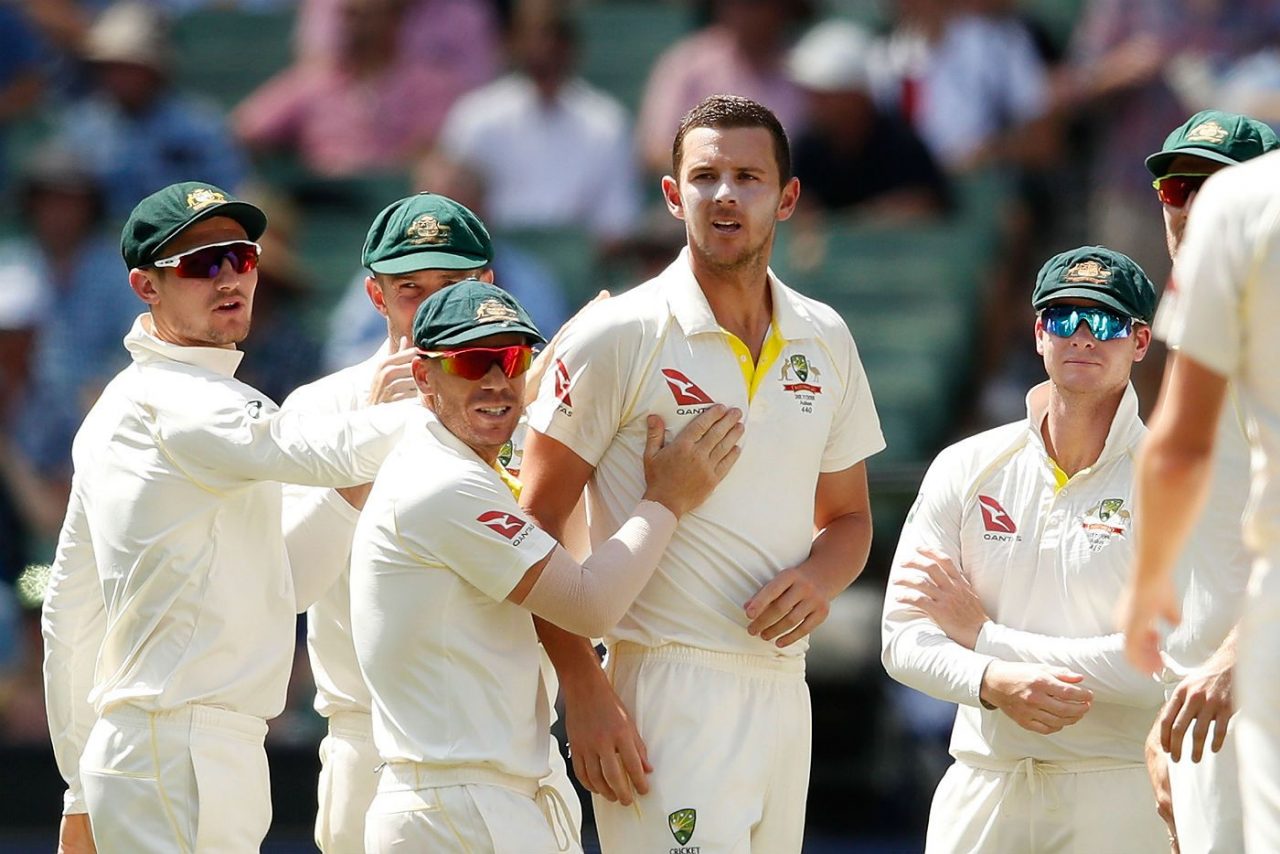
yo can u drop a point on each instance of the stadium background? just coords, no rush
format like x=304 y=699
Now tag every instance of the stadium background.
x=937 y=304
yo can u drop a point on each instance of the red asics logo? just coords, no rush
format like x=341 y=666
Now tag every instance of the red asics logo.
x=993 y=516
x=562 y=383
x=504 y=523
x=683 y=389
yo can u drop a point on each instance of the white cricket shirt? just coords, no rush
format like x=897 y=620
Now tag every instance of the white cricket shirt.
x=807 y=410
x=1228 y=281
x=1049 y=561
x=319 y=525
x=171 y=585
x=453 y=668
x=1213 y=598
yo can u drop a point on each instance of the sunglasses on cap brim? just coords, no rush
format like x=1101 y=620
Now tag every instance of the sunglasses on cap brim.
x=1062 y=321
x=205 y=262
x=473 y=363
x=1174 y=190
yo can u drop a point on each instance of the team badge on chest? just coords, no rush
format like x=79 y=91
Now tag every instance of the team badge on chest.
x=795 y=374
x=1105 y=521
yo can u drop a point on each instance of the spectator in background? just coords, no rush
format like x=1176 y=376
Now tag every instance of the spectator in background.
x=973 y=86
x=135 y=131
x=355 y=328
x=281 y=353
x=460 y=35
x=550 y=150
x=741 y=52
x=21 y=77
x=1124 y=56
x=371 y=108
x=70 y=266
x=855 y=157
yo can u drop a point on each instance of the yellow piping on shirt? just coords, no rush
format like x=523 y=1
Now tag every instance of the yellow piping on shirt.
x=754 y=372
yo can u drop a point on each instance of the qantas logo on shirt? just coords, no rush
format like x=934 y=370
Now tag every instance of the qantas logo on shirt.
x=686 y=392
x=506 y=524
x=994 y=519
x=562 y=384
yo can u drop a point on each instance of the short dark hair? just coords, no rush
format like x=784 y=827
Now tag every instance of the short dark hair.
x=733 y=111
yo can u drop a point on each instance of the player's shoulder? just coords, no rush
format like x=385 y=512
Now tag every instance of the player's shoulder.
x=333 y=392
x=624 y=320
x=826 y=321
x=977 y=453
x=1245 y=188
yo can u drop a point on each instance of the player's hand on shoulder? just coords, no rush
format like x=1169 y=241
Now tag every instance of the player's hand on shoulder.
x=680 y=474
x=393 y=380
x=75 y=835
x=1037 y=697
x=787 y=608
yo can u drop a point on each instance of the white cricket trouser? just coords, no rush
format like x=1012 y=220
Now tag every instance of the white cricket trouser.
x=1206 y=799
x=349 y=780
x=1258 y=721
x=729 y=740
x=190 y=780
x=1033 y=807
x=464 y=810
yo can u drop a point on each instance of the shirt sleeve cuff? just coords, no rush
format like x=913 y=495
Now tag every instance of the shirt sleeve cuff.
x=73 y=802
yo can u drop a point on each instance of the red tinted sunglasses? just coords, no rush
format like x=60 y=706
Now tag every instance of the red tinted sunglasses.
x=472 y=363
x=1174 y=190
x=205 y=262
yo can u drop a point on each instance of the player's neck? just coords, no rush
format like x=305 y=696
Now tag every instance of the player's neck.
x=1075 y=426
x=740 y=300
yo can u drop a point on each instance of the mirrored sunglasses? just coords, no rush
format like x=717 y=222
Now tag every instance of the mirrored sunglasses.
x=1174 y=190
x=205 y=262
x=1063 y=320
x=473 y=363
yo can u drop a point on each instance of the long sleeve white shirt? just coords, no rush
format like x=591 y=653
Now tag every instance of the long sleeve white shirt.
x=171 y=584
x=319 y=525
x=1049 y=562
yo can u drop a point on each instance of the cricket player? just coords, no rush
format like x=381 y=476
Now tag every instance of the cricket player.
x=415 y=247
x=1225 y=278
x=445 y=573
x=1199 y=793
x=169 y=617
x=707 y=667
x=1004 y=581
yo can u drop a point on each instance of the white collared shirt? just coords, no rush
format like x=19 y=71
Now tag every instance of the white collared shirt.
x=171 y=585
x=453 y=667
x=658 y=349
x=1227 y=278
x=1049 y=562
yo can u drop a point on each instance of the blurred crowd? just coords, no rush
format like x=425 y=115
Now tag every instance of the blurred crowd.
x=889 y=104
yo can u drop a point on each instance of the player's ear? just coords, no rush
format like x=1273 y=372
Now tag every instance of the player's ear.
x=1142 y=339
x=485 y=275
x=787 y=201
x=671 y=195
x=373 y=288
x=143 y=284
x=1039 y=336
x=422 y=377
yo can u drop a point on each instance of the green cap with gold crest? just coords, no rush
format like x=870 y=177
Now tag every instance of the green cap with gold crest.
x=467 y=311
x=161 y=216
x=1099 y=274
x=1228 y=138
x=426 y=231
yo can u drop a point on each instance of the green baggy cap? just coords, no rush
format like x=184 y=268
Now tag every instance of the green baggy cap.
x=1227 y=138
x=469 y=310
x=1100 y=274
x=161 y=216
x=426 y=231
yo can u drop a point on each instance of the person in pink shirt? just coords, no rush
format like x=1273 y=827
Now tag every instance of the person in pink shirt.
x=373 y=108
x=462 y=35
x=741 y=52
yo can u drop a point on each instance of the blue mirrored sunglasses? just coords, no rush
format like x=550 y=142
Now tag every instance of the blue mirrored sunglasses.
x=1063 y=320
